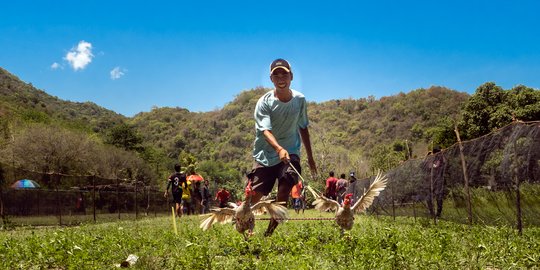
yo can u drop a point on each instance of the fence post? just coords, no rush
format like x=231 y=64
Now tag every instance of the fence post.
x=464 y=166
x=118 y=196
x=58 y=207
x=94 y=196
x=517 y=180
x=431 y=206
x=518 y=206
x=2 y=194
x=136 y=206
x=393 y=204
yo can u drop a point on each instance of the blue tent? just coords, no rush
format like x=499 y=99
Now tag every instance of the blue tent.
x=25 y=184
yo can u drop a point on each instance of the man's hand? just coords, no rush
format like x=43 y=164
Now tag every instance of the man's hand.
x=312 y=167
x=284 y=155
x=166 y=194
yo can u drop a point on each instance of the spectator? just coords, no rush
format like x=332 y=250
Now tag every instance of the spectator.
x=436 y=163
x=196 y=198
x=352 y=187
x=186 y=199
x=222 y=197
x=205 y=198
x=330 y=191
x=296 y=194
x=177 y=183
x=341 y=188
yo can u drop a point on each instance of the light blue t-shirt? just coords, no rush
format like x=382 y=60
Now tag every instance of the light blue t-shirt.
x=284 y=120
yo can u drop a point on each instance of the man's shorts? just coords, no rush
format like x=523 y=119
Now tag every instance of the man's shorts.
x=297 y=203
x=263 y=178
x=177 y=197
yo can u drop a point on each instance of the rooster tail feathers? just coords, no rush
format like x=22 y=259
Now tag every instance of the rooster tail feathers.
x=276 y=210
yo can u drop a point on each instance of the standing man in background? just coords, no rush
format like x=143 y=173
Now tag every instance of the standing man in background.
x=177 y=182
x=341 y=188
x=206 y=197
x=222 y=196
x=330 y=190
x=281 y=125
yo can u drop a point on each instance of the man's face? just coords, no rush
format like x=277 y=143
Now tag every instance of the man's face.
x=281 y=79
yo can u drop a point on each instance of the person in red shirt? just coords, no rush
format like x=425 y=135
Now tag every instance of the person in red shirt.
x=296 y=194
x=331 y=182
x=223 y=197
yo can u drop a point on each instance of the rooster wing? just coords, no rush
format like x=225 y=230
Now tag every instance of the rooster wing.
x=221 y=215
x=321 y=202
x=373 y=191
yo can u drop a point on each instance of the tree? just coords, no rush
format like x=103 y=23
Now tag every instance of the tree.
x=124 y=136
x=491 y=107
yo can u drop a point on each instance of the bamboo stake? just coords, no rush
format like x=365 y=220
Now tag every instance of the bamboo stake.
x=517 y=181
x=174 y=221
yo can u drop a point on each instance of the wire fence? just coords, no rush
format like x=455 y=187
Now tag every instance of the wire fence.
x=492 y=180
x=88 y=199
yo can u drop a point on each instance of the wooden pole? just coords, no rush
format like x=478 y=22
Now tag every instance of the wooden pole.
x=1 y=193
x=118 y=196
x=431 y=206
x=58 y=206
x=517 y=180
x=464 y=166
x=518 y=206
x=94 y=196
x=414 y=210
x=136 y=208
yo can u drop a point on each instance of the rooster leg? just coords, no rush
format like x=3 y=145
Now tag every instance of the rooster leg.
x=342 y=231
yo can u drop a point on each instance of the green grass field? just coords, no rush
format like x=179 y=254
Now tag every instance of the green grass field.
x=374 y=243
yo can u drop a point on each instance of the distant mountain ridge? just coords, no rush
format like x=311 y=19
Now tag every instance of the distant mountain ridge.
x=34 y=105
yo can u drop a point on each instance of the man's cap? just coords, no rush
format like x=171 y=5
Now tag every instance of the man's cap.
x=280 y=63
x=351 y=174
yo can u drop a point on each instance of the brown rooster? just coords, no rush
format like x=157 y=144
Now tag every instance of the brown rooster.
x=243 y=216
x=345 y=213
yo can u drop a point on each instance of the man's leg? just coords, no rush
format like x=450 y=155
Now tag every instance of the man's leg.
x=288 y=178
x=283 y=196
x=178 y=209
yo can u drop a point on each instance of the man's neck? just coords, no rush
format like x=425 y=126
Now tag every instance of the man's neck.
x=284 y=95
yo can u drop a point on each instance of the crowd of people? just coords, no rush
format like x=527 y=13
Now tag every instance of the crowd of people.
x=190 y=197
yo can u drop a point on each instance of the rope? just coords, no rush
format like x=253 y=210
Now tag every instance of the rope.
x=295 y=170
x=296 y=219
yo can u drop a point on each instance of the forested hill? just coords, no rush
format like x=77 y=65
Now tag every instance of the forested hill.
x=344 y=132
x=24 y=102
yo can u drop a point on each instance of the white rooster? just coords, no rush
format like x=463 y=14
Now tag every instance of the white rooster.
x=345 y=213
x=243 y=216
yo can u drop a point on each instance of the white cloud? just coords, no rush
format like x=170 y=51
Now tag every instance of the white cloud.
x=55 y=66
x=81 y=56
x=116 y=73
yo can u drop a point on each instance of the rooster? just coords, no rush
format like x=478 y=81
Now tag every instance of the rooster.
x=243 y=215
x=345 y=213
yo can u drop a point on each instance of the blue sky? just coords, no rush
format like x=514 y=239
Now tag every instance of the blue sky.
x=129 y=56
